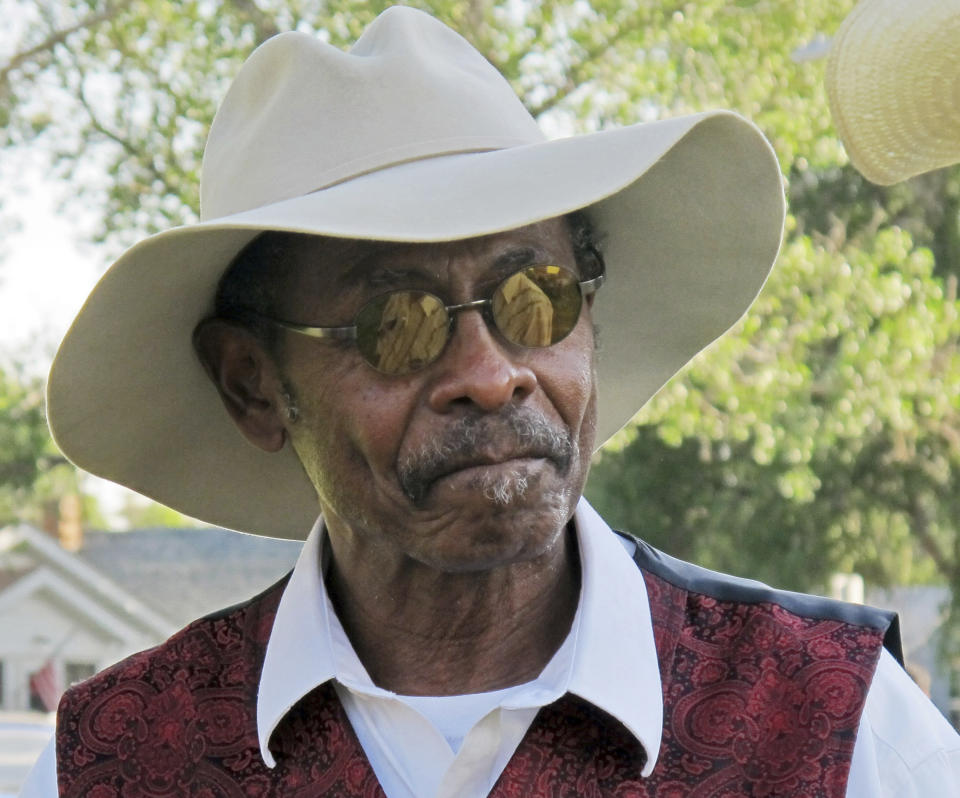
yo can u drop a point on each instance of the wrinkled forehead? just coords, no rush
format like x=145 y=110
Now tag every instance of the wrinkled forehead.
x=326 y=266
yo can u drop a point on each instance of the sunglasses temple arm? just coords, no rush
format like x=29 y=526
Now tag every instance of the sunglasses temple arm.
x=348 y=333
x=588 y=287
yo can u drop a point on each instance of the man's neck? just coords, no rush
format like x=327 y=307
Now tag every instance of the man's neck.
x=421 y=632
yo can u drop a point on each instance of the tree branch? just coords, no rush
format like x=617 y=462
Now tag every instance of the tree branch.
x=262 y=22
x=920 y=525
x=57 y=37
x=573 y=80
x=103 y=130
x=575 y=71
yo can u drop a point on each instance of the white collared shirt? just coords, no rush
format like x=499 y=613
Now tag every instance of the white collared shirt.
x=409 y=755
x=904 y=749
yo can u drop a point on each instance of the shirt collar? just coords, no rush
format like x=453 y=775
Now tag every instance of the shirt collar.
x=299 y=652
x=609 y=659
x=615 y=664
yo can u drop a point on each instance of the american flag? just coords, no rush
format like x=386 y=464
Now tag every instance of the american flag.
x=45 y=683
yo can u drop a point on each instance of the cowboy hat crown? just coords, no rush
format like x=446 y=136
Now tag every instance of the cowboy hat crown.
x=410 y=88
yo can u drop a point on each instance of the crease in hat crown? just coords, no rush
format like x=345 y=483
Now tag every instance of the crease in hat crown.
x=410 y=88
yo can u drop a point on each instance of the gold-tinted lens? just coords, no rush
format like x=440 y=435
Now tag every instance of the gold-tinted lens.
x=537 y=306
x=402 y=331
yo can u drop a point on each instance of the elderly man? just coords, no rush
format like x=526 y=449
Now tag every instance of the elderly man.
x=394 y=296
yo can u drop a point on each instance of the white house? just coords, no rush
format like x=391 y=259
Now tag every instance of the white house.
x=72 y=605
x=114 y=594
x=56 y=608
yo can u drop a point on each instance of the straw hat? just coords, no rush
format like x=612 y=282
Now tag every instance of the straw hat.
x=893 y=79
x=411 y=136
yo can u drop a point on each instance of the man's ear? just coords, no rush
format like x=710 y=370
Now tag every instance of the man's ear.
x=247 y=379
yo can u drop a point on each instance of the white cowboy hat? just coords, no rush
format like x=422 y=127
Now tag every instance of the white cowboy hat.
x=411 y=136
x=893 y=80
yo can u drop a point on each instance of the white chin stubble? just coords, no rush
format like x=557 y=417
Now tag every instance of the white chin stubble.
x=503 y=490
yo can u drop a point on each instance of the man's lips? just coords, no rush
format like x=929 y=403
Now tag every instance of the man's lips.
x=469 y=464
x=479 y=441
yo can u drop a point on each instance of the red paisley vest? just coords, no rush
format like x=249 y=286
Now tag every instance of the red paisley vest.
x=762 y=690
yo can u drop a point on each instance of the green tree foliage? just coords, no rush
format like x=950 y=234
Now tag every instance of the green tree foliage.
x=822 y=435
x=139 y=513
x=32 y=472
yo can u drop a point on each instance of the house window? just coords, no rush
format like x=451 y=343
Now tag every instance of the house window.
x=78 y=671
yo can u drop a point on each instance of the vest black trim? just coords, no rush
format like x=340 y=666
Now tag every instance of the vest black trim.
x=732 y=588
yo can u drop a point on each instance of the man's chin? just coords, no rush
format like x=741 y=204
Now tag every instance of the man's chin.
x=505 y=517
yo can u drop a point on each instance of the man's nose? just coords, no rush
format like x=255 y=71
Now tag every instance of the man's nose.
x=476 y=369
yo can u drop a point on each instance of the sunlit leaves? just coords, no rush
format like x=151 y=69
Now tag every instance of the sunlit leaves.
x=31 y=470
x=840 y=391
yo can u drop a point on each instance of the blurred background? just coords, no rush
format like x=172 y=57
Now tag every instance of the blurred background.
x=816 y=447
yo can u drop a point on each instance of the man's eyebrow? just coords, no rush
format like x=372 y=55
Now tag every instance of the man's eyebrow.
x=518 y=258
x=368 y=273
x=390 y=277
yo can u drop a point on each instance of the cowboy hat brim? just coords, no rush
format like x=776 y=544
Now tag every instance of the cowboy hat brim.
x=690 y=211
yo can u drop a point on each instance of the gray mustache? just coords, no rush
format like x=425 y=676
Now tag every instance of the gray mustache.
x=514 y=432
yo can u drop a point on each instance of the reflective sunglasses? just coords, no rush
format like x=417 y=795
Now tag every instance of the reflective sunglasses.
x=406 y=330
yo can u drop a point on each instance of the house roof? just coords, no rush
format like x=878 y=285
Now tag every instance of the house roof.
x=32 y=562
x=186 y=573
x=8 y=577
